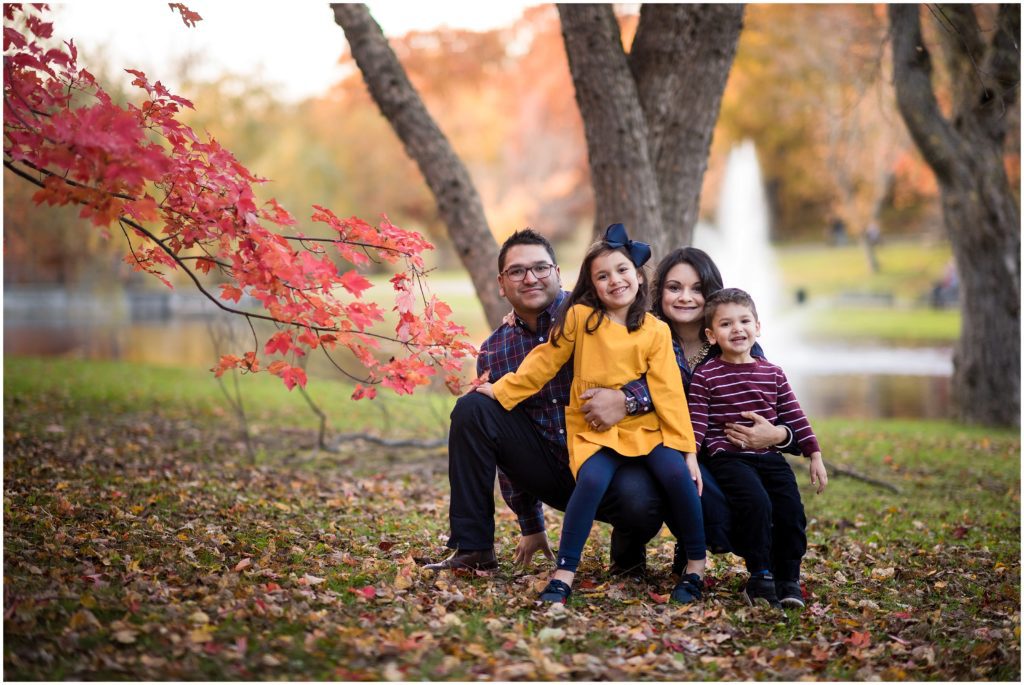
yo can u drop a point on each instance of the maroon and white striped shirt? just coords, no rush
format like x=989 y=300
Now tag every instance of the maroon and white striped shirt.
x=720 y=391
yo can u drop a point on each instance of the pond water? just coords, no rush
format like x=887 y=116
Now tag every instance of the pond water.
x=864 y=381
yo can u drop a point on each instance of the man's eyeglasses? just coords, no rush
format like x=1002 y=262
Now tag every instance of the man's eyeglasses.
x=518 y=273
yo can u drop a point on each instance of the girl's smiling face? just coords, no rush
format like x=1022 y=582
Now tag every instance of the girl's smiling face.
x=616 y=282
x=682 y=296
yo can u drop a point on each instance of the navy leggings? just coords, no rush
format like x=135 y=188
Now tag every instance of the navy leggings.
x=685 y=518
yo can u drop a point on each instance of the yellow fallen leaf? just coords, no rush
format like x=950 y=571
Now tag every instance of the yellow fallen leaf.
x=403 y=582
x=200 y=635
x=199 y=617
x=883 y=573
x=83 y=618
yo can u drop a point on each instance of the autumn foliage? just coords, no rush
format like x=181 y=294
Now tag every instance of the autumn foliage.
x=183 y=202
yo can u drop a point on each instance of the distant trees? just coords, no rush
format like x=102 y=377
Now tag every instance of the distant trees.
x=648 y=119
x=964 y=147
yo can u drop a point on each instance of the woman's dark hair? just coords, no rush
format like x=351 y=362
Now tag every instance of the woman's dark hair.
x=707 y=272
x=585 y=293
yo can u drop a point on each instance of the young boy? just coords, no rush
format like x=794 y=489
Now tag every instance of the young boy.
x=758 y=484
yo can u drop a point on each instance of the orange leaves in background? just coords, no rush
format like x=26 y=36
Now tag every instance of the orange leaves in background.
x=190 y=204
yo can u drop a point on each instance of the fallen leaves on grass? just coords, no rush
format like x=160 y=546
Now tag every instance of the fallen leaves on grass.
x=134 y=553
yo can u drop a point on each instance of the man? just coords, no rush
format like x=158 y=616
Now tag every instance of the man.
x=527 y=446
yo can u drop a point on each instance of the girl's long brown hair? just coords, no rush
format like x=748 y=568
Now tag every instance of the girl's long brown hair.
x=585 y=293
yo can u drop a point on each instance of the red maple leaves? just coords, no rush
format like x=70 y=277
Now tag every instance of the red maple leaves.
x=185 y=203
x=188 y=16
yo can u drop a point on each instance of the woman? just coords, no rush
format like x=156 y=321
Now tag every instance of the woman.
x=683 y=280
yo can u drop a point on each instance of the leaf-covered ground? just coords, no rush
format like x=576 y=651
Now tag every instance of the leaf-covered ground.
x=139 y=545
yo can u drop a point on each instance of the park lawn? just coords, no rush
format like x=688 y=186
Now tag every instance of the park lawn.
x=897 y=325
x=907 y=270
x=139 y=544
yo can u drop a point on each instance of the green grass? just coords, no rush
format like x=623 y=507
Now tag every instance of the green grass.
x=125 y=387
x=907 y=270
x=892 y=575
x=897 y=325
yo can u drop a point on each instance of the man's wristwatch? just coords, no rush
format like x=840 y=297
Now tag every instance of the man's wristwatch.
x=631 y=405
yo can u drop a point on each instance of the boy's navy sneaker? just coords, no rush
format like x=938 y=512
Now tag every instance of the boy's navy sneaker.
x=789 y=594
x=689 y=589
x=760 y=589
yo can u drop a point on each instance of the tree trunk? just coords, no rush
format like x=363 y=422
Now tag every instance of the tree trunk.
x=625 y=186
x=979 y=210
x=457 y=200
x=648 y=121
x=681 y=105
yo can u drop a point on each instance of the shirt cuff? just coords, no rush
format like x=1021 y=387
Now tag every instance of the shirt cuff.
x=637 y=392
x=530 y=525
x=788 y=442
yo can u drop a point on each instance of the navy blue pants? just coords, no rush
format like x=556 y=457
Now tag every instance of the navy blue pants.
x=484 y=437
x=668 y=467
x=762 y=492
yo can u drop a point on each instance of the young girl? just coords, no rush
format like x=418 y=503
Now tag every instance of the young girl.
x=612 y=340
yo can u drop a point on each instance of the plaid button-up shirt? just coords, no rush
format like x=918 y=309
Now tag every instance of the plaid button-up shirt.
x=502 y=353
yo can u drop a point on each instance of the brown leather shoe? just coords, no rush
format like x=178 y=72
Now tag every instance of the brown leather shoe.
x=469 y=560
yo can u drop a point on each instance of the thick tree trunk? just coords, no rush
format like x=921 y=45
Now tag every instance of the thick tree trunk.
x=625 y=186
x=980 y=213
x=648 y=121
x=681 y=105
x=457 y=200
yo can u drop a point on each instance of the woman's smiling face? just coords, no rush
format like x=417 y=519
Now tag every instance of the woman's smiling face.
x=682 y=296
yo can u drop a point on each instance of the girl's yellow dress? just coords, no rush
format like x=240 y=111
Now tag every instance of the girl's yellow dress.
x=609 y=357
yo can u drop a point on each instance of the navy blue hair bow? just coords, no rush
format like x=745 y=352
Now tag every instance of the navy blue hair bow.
x=615 y=236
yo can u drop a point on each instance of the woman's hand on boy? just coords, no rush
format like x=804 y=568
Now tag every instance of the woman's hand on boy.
x=818 y=475
x=691 y=463
x=486 y=389
x=761 y=434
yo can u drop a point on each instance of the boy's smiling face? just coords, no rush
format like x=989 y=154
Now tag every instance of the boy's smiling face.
x=735 y=328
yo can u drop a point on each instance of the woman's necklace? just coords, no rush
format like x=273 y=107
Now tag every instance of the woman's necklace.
x=693 y=359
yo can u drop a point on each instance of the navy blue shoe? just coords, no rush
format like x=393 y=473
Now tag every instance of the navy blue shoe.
x=789 y=594
x=556 y=592
x=760 y=590
x=689 y=589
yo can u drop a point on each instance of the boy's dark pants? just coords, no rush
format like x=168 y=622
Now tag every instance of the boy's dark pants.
x=769 y=531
